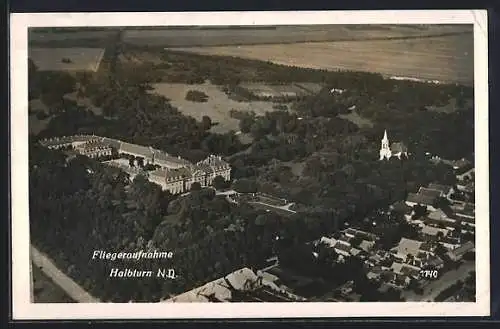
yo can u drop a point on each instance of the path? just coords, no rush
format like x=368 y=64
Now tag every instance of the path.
x=71 y=288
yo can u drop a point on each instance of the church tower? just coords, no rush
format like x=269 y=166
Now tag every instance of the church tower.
x=385 y=150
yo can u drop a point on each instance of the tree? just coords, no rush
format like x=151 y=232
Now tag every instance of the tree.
x=140 y=162
x=246 y=124
x=196 y=186
x=356 y=241
x=440 y=250
x=420 y=211
x=206 y=122
x=244 y=185
x=219 y=182
x=196 y=96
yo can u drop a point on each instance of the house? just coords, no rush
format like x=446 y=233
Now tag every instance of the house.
x=406 y=247
x=366 y=245
x=331 y=242
x=466 y=173
x=355 y=251
x=457 y=254
x=427 y=248
x=465 y=211
x=445 y=190
x=426 y=200
x=407 y=270
x=430 y=192
x=440 y=216
x=450 y=243
x=352 y=232
x=434 y=233
x=343 y=249
x=433 y=262
x=466 y=186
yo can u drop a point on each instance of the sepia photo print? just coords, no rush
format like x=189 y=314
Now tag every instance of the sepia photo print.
x=307 y=160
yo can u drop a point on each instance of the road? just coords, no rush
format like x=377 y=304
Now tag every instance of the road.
x=432 y=290
x=71 y=288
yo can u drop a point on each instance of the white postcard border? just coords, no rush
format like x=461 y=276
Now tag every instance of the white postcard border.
x=23 y=309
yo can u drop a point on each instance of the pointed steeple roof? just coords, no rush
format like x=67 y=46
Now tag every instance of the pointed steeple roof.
x=385 y=135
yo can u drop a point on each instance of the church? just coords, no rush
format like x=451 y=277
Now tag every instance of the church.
x=396 y=149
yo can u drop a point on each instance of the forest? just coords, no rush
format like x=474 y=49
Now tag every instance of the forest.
x=75 y=210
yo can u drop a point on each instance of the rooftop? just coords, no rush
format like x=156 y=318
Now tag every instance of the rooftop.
x=428 y=192
x=407 y=246
x=140 y=150
x=420 y=199
x=438 y=215
x=429 y=230
x=398 y=147
x=443 y=188
x=468 y=246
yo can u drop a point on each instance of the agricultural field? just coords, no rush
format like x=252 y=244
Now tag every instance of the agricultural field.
x=66 y=59
x=443 y=58
x=217 y=106
x=139 y=57
x=289 y=90
x=71 y=37
x=216 y=36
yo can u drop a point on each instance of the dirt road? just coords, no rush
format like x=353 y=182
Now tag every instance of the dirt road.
x=73 y=290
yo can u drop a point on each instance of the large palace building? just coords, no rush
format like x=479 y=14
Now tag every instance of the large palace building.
x=173 y=173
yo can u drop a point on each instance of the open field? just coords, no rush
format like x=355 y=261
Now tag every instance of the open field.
x=46 y=291
x=445 y=58
x=66 y=59
x=217 y=107
x=216 y=36
x=46 y=34
x=71 y=37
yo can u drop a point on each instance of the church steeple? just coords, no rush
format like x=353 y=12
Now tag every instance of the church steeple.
x=385 y=150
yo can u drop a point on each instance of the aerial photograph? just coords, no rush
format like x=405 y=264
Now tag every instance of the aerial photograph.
x=307 y=163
